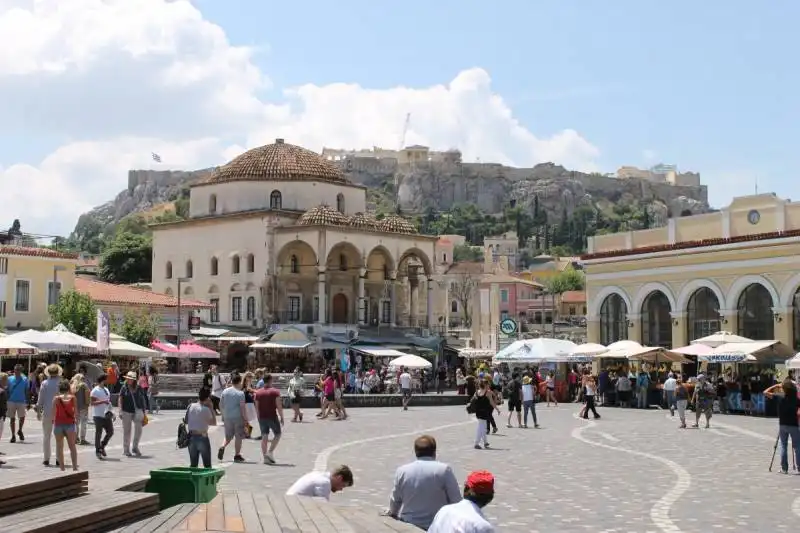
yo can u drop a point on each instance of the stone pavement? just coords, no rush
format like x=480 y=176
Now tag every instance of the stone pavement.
x=631 y=471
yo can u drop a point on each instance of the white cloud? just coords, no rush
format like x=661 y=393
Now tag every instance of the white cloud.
x=117 y=79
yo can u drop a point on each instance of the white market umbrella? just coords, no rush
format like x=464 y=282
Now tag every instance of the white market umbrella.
x=719 y=338
x=410 y=361
x=541 y=350
x=794 y=363
x=694 y=349
x=122 y=347
x=749 y=352
x=12 y=346
x=621 y=349
x=50 y=341
x=656 y=354
x=587 y=352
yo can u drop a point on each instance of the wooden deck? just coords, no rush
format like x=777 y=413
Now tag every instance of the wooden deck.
x=20 y=490
x=236 y=511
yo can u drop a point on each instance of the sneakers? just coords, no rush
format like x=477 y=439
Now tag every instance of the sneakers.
x=238 y=459
x=268 y=459
x=220 y=453
x=13 y=438
x=21 y=436
x=136 y=452
x=477 y=447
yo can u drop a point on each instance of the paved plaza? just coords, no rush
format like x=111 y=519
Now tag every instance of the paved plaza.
x=631 y=471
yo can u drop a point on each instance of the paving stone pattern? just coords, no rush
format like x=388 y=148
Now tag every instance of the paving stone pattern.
x=547 y=479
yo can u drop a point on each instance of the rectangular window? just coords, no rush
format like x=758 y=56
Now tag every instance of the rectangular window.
x=294 y=309
x=3 y=265
x=386 y=312
x=214 y=309
x=572 y=310
x=504 y=296
x=52 y=298
x=22 y=298
x=2 y=309
x=251 y=308
x=236 y=309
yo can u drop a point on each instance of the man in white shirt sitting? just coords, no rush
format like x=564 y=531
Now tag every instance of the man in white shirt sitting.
x=405 y=386
x=466 y=516
x=423 y=487
x=321 y=484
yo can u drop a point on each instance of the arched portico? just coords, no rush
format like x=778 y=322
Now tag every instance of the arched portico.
x=745 y=281
x=597 y=301
x=690 y=288
x=647 y=290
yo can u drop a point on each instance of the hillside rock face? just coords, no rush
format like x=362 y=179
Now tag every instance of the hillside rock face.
x=442 y=185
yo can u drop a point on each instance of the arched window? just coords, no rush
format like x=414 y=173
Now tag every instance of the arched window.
x=702 y=314
x=251 y=263
x=251 y=308
x=235 y=264
x=342 y=262
x=656 y=321
x=454 y=306
x=275 y=200
x=796 y=313
x=212 y=204
x=168 y=270
x=294 y=265
x=613 y=320
x=214 y=266
x=386 y=273
x=755 y=313
x=340 y=203
x=189 y=269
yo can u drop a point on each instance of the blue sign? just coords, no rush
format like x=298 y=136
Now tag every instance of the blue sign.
x=508 y=326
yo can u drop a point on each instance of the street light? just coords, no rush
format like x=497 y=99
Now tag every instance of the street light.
x=180 y=280
x=445 y=284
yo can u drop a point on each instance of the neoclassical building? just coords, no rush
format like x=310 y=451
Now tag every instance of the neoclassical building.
x=734 y=270
x=279 y=235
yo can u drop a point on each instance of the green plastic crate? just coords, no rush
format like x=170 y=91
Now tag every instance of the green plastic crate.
x=177 y=485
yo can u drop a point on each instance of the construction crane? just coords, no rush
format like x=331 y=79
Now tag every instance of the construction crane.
x=400 y=149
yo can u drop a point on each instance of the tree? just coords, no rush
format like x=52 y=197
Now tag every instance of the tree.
x=465 y=252
x=139 y=327
x=462 y=289
x=127 y=259
x=77 y=312
x=567 y=280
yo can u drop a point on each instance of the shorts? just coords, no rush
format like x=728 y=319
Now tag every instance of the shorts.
x=406 y=393
x=295 y=400
x=63 y=429
x=17 y=410
x=234 y=428
x=515 y=404
x=270 y=424
x=330 y=397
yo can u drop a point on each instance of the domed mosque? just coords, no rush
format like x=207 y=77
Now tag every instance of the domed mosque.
x=279 y=235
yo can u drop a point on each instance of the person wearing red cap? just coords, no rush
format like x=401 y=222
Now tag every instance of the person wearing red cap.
x=466 y=516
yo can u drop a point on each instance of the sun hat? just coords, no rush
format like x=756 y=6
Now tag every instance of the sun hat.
x=131 y=375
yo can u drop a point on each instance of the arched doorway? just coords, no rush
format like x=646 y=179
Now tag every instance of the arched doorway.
x=613 y=320
x=656 y=321
x=796 y=314
x=339 y=311
x=702 y=314
x=755 y=313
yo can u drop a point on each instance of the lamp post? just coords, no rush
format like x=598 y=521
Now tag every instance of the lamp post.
x=445 y=284
x=180 y=280
x=53 y=288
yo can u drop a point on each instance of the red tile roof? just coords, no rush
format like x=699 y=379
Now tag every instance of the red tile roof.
x=574 y=297
x=32 y=251
x=108 y=293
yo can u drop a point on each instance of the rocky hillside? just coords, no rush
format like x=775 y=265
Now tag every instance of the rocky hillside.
x=440 y=186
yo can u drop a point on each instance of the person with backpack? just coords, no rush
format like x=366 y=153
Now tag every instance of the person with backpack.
x=514 y=392
x=199 y=417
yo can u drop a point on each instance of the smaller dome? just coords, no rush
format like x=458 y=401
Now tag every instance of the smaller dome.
x=396 y=224
x=322 y=215
x=363 y=221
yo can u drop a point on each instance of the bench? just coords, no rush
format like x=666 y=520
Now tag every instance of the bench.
x=164 y=522
x=95 y=512
x=18 y=494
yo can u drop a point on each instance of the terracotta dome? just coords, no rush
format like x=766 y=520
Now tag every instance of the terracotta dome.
x=322 y=215
x=363 y=221
x=278 y=162
x=396 y=224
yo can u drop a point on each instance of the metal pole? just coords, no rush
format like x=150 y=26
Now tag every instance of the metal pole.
x=179 y=315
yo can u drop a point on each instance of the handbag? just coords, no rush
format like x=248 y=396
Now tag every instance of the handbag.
x=183 y=432
x=145 y=420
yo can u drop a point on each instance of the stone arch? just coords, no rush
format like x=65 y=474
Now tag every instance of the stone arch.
x=379 y=261
x=168 y=291
x=790 y=288
x=213 y=289
x=236 y=287
x=601 y=296
x=419 y=254
x=690 y=288
x=307 y=261
x=344 y=257
x=732 y=302
x=646 y=290
x=188 y=291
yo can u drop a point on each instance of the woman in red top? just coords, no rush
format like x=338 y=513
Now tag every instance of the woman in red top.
x=64 y=409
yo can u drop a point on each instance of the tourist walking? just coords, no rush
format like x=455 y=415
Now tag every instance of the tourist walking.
x=153 y=391
x=482 y=404
x=624 y=389
x=65 y=411
x=466 y=515
x=681 y=400
x=550 y=381
x=249 y=404
x=703 y=401
x=787 y=421
x=217 y=387
x=441 y=379
x=669 y=392
x=234 y=414
x=19 y=401
x=642 y=388
x=297 y=385
x=528 y=402
x=461 y=382
x=590 y=394
x=82 y=398
x=132 y=405
x=199 y=416
x=322 y=484
x=423 y=486
x=100 y=399
x=44 y=409
x=3 y=406
x=270 y=418
x=514 y=389
x=404 y=380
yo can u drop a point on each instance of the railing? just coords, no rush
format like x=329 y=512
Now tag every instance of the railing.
x=305 y=316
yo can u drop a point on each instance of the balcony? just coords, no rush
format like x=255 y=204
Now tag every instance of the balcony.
x=306 y=316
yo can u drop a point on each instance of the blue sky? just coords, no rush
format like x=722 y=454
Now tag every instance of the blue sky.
x=711 y=86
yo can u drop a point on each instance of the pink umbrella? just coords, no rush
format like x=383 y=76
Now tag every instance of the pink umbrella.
x=195 y=351
x=162 y=346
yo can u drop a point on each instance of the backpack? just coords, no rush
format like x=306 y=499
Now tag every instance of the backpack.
x=183 y=432
x=471 y=404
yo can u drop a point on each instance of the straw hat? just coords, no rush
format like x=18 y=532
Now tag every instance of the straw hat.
x=131 y=375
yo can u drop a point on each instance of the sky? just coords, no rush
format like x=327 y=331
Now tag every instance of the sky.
x=91 y=88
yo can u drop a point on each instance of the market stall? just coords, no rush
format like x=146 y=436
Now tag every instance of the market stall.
x=543 y=353
x=14 y=349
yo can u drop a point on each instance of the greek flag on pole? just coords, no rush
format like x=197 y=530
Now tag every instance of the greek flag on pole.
x=103 y=331
x=156 y=157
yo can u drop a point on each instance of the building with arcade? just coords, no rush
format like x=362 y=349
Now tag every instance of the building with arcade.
x=737 y=270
